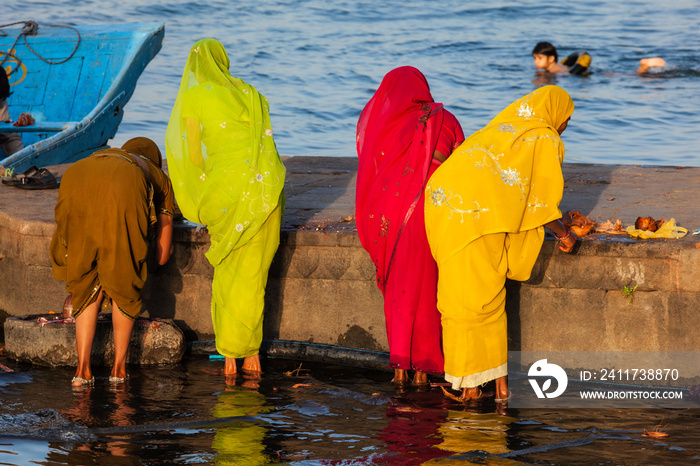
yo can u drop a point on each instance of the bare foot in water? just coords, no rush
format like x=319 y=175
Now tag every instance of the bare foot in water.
x=502 y=392
x=471 y=393
x=252 y=364
x=420 y=378
x=400 y=376
x=646 y=63
x=82 y=381
x=230 y=368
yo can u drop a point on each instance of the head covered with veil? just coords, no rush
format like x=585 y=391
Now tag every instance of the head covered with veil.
x=222 y=158
x=397 y=134
x=506 y=177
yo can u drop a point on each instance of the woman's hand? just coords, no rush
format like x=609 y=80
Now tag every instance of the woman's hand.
x=568 y=242
x=567 y=237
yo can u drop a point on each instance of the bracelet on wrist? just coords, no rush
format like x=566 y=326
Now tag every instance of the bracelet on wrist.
x=565 y=235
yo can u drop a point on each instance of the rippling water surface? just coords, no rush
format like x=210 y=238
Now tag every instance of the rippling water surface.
x=318 y=415
x=318 y=62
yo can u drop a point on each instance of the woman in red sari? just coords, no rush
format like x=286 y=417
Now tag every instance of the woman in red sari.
x=402 y=137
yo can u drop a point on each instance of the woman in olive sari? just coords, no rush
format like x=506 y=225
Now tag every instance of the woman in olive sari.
x=485 y=210
x=106 y=204
x=228 y=176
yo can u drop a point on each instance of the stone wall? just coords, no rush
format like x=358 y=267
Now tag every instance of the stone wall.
x=26 y=283
x=322 y=289
x=575 y=302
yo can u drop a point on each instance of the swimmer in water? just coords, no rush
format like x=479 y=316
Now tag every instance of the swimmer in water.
x=546 y=59
x=646 y=63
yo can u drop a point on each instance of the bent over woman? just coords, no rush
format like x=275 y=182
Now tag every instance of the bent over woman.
x=228 y=176
x=485 y=210
x=106 y=204
x=403 y=135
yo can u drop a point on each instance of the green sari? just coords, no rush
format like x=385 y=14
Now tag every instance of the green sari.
x=227 y=175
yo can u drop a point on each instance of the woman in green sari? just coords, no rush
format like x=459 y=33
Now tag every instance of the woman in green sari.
x=227 y=175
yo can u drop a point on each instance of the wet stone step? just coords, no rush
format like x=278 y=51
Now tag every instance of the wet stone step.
x=46 y=340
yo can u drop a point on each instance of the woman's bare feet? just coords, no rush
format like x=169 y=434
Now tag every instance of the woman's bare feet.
x=471 y=393
x=400 y=376
x=502 y=393
x=420 y=378
x=646 y=63
x=252 y=364
x=230 y=368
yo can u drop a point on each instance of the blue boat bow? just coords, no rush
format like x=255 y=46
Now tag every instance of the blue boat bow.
x=77 y=104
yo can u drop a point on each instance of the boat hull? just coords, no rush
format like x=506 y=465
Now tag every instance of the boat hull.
x=79 y=104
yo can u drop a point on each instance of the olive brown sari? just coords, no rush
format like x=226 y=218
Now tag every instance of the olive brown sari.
x=106 y=204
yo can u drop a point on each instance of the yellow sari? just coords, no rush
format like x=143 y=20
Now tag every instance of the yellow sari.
x=484 y=214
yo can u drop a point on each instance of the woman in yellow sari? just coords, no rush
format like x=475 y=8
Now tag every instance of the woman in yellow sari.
x=485 y=212
x=228 y=176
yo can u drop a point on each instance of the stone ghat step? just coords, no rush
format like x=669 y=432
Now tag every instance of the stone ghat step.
x=306 y=351
x=153 y=341
x=322 y=287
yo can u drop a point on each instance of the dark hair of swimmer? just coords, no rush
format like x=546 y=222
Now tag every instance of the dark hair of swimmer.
x=547 y=49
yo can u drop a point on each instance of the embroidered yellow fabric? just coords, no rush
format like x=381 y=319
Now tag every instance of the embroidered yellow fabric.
x=504 y=178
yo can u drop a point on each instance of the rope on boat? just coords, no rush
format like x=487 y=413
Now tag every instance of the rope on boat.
x=31 y=28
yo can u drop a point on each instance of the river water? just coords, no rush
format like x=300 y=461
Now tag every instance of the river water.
x=319 y=62
x=303 y=413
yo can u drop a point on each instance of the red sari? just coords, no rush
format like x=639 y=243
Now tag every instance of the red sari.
x=398 y=132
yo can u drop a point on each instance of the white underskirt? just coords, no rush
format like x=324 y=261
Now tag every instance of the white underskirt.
x=474 y=380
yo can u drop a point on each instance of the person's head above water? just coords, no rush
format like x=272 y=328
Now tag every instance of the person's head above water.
x=646 y=63
x=546 y=58
x=545 y=55
x=546 y=49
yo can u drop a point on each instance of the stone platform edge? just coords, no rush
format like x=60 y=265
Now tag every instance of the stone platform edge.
x=322 y=289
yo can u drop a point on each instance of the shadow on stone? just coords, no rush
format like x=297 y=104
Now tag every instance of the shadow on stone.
x=513 y=289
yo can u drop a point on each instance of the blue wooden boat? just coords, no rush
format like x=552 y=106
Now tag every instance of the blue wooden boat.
x=77 y=104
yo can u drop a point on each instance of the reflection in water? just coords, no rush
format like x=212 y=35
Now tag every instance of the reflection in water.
x=465 y=431
x=89 y=409
x=412 y=434
x=240 y=442
x=542 y=78
x=327 y=415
